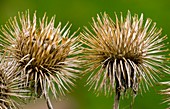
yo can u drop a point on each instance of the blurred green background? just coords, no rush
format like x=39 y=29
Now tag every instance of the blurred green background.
x=79 y=13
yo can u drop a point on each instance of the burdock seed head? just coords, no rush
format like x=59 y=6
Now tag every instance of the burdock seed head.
x=166 y=92
x=11 y=91
x=47 y=55
x=120 y=55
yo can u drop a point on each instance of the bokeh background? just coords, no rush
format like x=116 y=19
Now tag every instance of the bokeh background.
x=79 y=13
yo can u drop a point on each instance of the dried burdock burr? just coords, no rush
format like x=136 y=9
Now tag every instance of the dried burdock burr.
x=47 y=55
x=166 y=92
x=11 y=92
x=124 y=55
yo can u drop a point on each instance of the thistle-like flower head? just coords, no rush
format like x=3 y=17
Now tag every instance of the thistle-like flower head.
x=10 y=85
x=46 y=54
x=120 y=55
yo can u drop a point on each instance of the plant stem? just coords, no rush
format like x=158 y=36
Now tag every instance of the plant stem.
x=49 y=105
x=116 y=100
x=133 y=100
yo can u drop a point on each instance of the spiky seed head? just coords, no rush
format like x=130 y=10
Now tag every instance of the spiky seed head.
x=120 y=55
x=48 y=55
x=166 y=92
x=10 y=85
